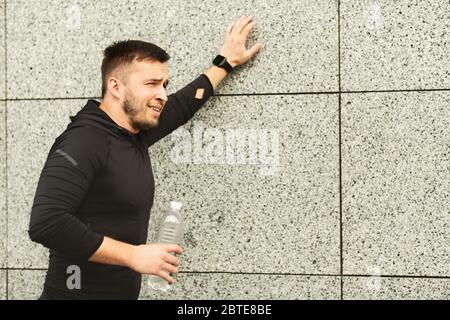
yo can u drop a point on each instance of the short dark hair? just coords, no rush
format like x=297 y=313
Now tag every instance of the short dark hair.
x=125 y=52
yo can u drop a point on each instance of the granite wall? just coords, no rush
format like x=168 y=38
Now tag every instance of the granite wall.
x=319 y=170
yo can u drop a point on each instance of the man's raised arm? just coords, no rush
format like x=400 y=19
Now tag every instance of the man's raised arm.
x=183 y=104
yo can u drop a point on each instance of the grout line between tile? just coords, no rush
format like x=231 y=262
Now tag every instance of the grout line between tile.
x=280 y=274
x=340 y=154
x=6 y=146
x=253 y=94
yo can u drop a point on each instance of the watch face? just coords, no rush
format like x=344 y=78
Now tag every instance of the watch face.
x=219 y=60
x=222 y=62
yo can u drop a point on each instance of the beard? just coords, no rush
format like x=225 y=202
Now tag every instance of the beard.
x=136 y=115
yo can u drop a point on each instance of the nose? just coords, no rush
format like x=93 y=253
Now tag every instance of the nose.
x=161 y=96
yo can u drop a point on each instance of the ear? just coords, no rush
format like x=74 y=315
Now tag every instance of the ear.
x=115 y=87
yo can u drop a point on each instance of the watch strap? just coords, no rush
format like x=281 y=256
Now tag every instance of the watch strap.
x=221 y=62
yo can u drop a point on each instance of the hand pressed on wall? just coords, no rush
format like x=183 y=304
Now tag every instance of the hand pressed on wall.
x=234 y=48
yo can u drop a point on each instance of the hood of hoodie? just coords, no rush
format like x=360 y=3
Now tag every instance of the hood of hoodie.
x=92 y=115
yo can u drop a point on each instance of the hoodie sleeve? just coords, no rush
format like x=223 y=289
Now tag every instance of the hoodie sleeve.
x=180 y=107
x=74 y=159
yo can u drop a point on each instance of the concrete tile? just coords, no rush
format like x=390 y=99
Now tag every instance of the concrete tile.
x=25 y=284
x=2 y=284
x=370 y=288
x=241 y=217
x=3 y=262
x=60 y=54
x=389 y=45
x=395 y=180
x=246 y=286
x=32 y=129
x=297 y=55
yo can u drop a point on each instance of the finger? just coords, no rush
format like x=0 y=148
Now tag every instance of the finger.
x=172 y=260
x=170 y=268
x=166 y=277
x=174 y=248
x=243 y=21
x=255 y=49
x=233 y=25
x=230 y=28
x=248 y=28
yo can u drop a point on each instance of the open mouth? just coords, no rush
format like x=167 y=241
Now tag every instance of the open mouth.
x=157 y=110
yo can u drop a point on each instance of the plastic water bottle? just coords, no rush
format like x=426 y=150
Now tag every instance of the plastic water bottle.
x=170 y=232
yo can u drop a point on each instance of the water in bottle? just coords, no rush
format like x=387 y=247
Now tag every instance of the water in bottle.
x=170 y=232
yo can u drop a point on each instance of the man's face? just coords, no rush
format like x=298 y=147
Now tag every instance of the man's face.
x=145 y=93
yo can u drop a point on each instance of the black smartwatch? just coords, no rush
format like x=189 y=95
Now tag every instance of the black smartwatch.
x=222 y=62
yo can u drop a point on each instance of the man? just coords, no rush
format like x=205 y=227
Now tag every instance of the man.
x=95 y=192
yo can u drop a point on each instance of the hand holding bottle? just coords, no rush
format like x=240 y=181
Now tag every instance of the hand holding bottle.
x=156 y=259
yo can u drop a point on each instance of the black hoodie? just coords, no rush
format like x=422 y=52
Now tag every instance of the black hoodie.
x=98 y=181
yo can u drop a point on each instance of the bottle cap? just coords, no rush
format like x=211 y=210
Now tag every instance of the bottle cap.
x=175 y=205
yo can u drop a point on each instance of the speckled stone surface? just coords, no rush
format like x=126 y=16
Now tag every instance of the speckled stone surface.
x=25 y=284
x=2 y=284
x=396 y=186
x=2 y=51
x=246 y=287
x=389 y=45
x=371 y=288
x=60 y=54
x=3 y=262
x=245 y=211
x=29 y=141
x=240 y=219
